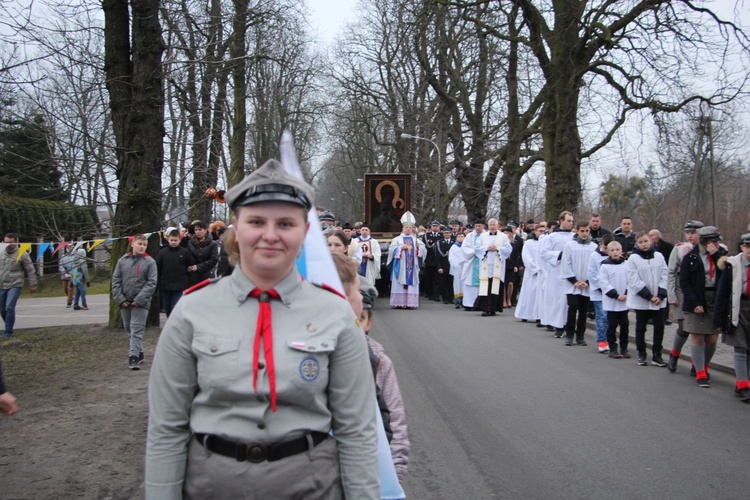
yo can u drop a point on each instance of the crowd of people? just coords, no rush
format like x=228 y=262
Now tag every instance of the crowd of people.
x=568 y=273
x=316 y=391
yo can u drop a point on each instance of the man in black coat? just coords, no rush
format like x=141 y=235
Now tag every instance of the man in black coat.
x=431 y=284
x=597 y=231
x=625 y=235
x=172 y=264
x=443 y=248
x=662 y=246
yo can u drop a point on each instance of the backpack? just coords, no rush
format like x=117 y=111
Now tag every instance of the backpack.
x=76 y=276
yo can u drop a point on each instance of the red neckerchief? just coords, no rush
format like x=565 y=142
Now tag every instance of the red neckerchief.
x=264 y=330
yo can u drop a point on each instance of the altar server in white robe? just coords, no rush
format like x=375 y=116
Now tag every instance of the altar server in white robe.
x=457 y=262
x=555 y=304
x=575 y=269
x=527 y=308
x=541 y=280
x=370 y=250
x=406 y=254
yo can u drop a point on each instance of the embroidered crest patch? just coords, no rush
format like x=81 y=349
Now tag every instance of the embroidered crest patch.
x=309 y=369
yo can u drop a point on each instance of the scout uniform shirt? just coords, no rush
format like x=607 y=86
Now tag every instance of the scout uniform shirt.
x=202 y=379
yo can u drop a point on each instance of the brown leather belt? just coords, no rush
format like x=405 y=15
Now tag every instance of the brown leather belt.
x=259 y=452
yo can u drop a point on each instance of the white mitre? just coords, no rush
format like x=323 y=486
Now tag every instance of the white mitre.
x=408 y=219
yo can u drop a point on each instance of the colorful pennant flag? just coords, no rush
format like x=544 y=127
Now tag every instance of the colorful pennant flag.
x=96 y=243
x=22 y=249
x=60 y=246
x=43 y=247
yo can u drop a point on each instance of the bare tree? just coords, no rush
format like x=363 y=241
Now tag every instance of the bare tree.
x=384 y=93
x=134 y=80
x=701 y=159
x=198 y=76
x=635 y=56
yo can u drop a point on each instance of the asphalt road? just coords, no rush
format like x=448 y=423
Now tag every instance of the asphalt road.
x=500 y=409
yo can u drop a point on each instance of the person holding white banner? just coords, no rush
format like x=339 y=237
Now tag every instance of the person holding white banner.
x=370 y=249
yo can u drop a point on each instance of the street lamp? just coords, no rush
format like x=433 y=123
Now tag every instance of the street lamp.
x=440 y=162
x=437 y=149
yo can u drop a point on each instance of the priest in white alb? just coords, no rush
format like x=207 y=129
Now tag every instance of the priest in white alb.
x=490 y=249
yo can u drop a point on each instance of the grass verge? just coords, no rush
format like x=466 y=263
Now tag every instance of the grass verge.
x=32 y=356
x=49 y=286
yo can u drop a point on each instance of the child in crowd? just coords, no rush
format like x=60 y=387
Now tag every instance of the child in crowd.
x=339 y=243
x=647 y=294
x=385 y=377
x=172 y=264
x=527 y=307
x=575 y=266
x=613 y=281
x=389 y=393
x=79 y=278
x=133 y=286
x=595 y=262
x=457 y=260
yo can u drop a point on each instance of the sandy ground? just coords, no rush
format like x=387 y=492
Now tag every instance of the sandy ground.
x=81 y=427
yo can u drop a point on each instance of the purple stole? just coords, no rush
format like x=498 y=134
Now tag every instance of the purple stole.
x=407 y=259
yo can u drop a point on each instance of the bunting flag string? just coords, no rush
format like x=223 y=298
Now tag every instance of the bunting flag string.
x=54 y=247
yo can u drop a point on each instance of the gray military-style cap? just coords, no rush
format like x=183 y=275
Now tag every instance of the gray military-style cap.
x=327 y=215
x=745 y=239
x=709 y=233
x=693 y=225
x=271 y=182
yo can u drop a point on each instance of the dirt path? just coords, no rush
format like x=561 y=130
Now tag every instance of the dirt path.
x=81 y=427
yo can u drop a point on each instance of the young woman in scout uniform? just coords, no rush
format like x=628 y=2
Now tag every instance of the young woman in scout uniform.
x=231 y=419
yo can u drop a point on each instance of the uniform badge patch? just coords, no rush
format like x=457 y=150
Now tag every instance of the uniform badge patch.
x=309 y=369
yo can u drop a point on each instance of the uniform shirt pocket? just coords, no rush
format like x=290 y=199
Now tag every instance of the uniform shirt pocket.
x=308 y=362
x=218 y=360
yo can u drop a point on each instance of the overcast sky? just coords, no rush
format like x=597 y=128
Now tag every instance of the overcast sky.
x=328 y=16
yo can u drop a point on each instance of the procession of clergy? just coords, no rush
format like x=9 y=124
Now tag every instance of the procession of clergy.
x=480 y=268
x=465 y=267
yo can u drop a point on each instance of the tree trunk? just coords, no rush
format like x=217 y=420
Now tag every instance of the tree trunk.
x=562 y=144
x=134 y=82
x=238 y=55
x=510 y=182
x=562 y=150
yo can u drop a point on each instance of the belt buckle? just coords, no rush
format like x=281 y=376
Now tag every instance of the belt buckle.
x=255 y=452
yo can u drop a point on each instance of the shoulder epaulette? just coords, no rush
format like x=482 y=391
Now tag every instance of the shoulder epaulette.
x=201 y=284
x=329 y=288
